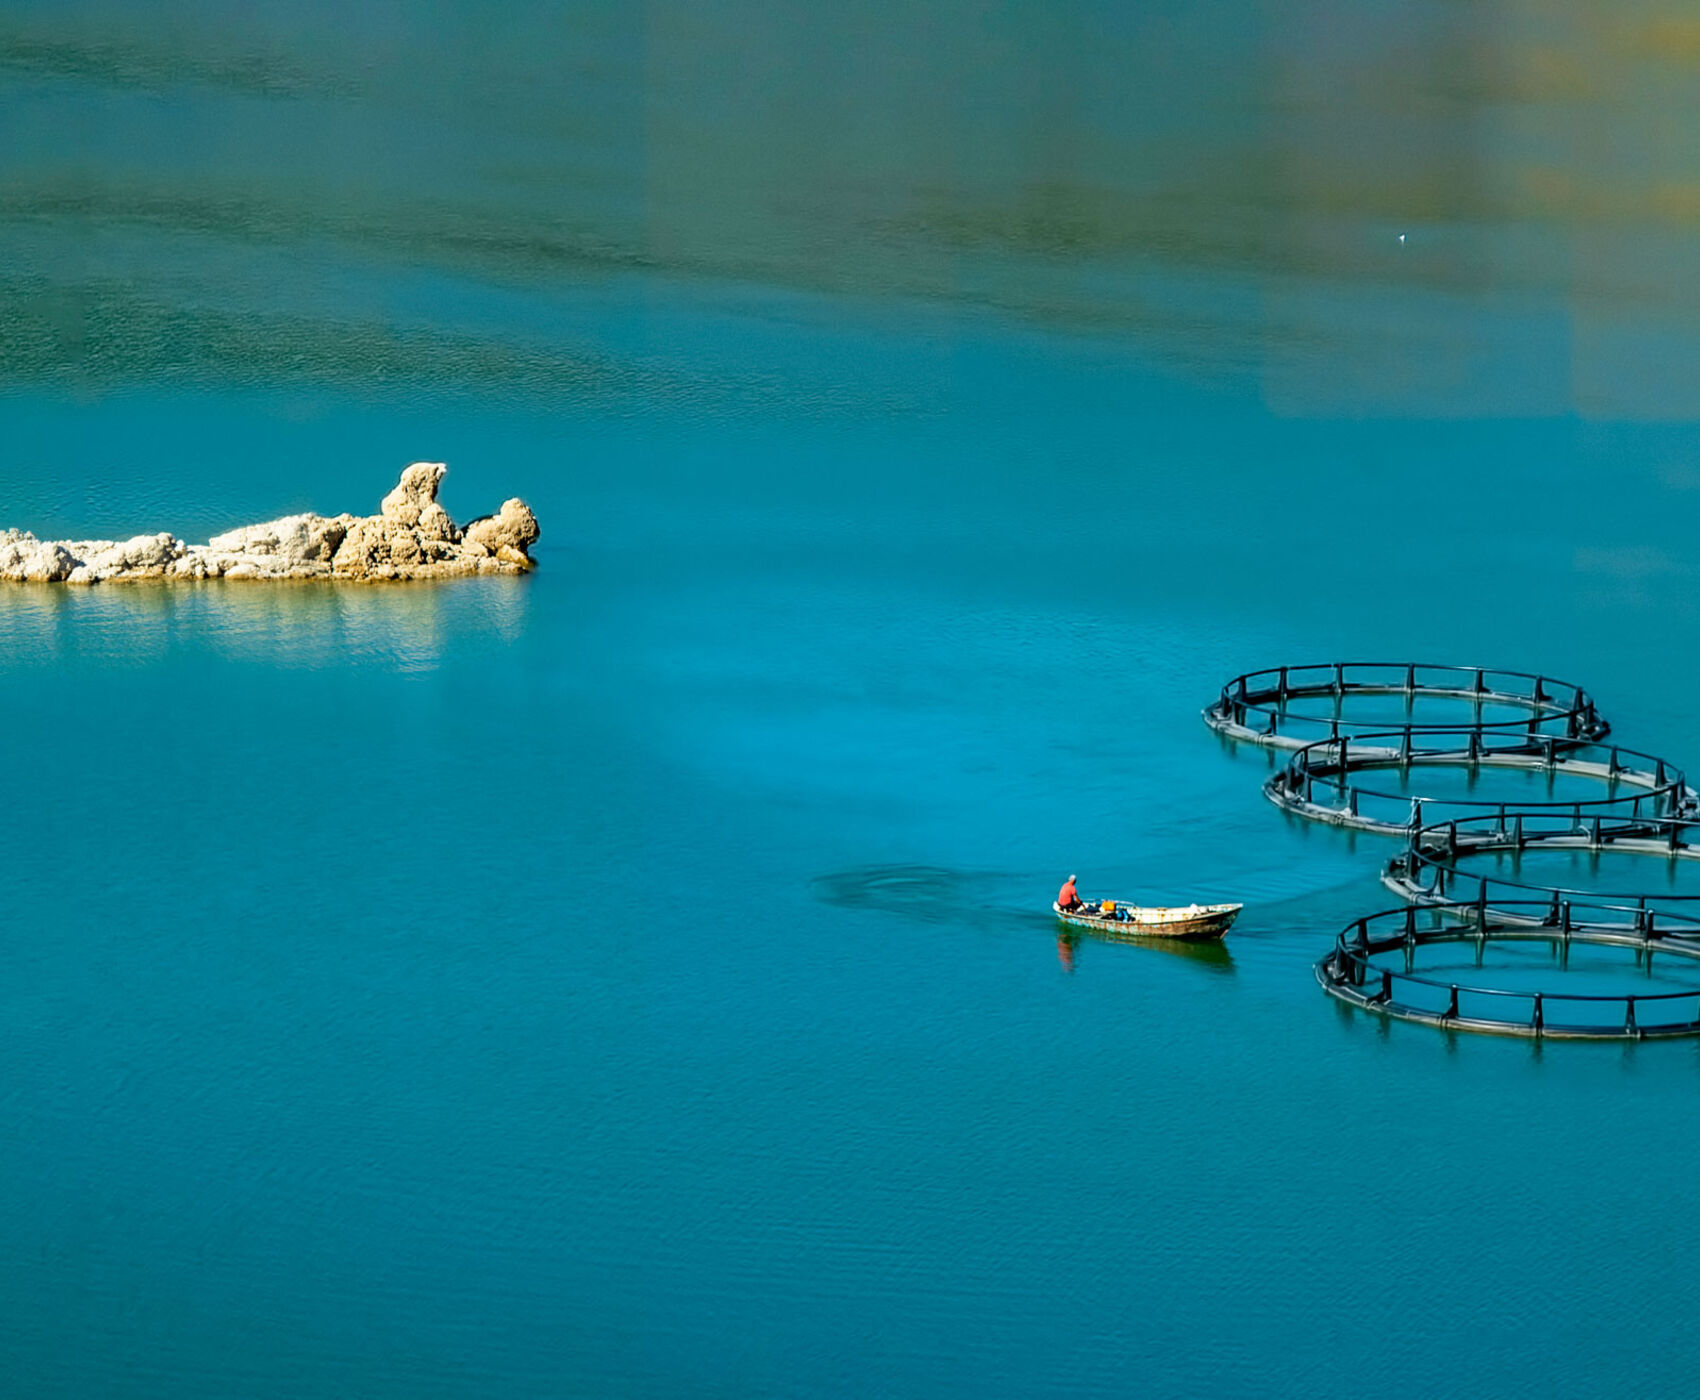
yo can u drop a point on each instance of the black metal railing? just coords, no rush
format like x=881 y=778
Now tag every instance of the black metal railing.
x=1436 y=865
x=1647 y=808
x=1355 y=972
x=1324 y=780
x=1254 y=707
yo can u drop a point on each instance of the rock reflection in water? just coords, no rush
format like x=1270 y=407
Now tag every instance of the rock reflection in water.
x=309 y=625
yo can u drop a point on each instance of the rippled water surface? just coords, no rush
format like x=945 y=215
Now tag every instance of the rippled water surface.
x=637 y=979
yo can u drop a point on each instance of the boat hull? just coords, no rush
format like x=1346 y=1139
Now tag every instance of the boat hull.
x=1194 y=924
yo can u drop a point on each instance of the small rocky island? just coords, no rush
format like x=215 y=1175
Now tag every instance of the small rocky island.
x=411 y=537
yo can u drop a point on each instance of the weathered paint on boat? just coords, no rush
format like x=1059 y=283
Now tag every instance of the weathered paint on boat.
x=1195 y=921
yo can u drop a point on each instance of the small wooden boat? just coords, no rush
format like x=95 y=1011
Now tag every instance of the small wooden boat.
x=1192 y=921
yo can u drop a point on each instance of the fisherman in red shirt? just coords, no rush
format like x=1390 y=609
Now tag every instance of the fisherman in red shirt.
x=1069 y=897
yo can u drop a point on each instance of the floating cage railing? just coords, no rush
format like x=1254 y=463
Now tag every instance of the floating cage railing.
x=1352 y=974
x=1435 y=868
x=1323 y=780
x=1254 y=707
x=1648 y=809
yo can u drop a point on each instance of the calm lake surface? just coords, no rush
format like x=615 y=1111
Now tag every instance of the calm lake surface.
x=637 y=979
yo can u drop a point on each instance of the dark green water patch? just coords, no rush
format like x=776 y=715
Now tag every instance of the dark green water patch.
x=149 y=61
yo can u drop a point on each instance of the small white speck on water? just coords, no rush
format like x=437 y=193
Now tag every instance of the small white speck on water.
x=1401 y=238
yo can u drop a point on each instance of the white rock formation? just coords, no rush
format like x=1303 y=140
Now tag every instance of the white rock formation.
x=411 y=537
x=513 y=527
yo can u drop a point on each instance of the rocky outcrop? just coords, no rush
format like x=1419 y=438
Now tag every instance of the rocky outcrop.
x=411 y=537
x=26 y=558
x=513 y=528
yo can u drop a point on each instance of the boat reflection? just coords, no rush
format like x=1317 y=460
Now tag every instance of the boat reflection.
x=1210 y=953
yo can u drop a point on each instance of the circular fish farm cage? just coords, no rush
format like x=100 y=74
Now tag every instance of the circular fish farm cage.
x=1435 y=868
x=1266 y=707
x=1335 y=780
x=1360 y=972
x=1355 y=771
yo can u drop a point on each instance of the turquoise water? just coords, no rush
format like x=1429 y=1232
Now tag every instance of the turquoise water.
x=637 y=979
x=1531 y=967
x=1601 y=872
x=1488 y=783
x=1396 y=711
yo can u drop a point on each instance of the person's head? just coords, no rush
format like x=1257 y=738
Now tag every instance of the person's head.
x=1073 y=878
